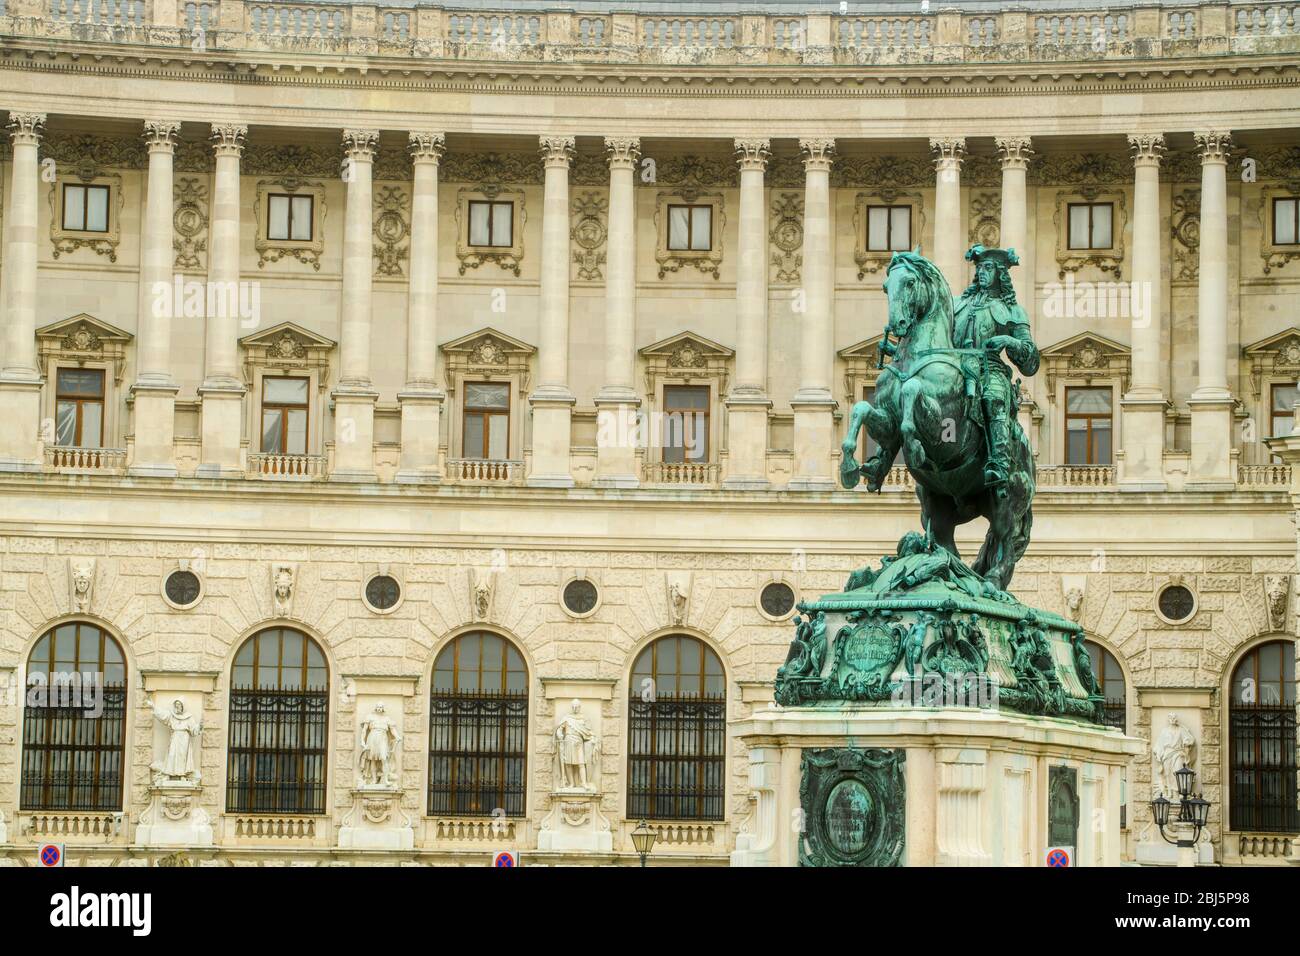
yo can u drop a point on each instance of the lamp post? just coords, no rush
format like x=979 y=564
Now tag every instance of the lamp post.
x=1193 y=812
x=643 y=838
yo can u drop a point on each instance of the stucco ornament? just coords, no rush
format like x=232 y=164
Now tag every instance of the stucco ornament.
x=1074 y=602
x=378 y=751
x=1277 y=591
x=81 y=582
x=282 y=581
x=481 y=588
x=1173 y=750
x=178 y=765
x=577 y=751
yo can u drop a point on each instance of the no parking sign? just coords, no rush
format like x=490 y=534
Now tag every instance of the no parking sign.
x=1060 y=855
x=50 y=855
x=505 y=858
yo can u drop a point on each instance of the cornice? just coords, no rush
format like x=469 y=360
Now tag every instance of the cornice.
x=759 y=80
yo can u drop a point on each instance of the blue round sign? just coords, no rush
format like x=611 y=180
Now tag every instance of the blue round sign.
x=504 y=858
x=50 y=855
x=1058 y=857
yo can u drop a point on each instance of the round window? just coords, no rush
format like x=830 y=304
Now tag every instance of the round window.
x=580 y=596
x=382 y=592
x=1176 y=604
x=777 y=599
x=182 y=588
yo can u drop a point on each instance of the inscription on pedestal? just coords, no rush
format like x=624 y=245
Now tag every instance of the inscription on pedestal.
x=852 y=804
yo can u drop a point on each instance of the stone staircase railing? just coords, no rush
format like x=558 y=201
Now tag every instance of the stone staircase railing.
x=944 y=35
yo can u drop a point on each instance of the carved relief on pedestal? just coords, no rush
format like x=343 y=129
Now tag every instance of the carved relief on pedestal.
x=190 y=223
x=786 y=237
x=589 y=232
x=81 y=583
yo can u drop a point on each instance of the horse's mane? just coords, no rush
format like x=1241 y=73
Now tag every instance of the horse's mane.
x=929 y=292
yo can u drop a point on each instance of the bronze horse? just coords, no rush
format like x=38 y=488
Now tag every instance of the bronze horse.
x=925 y=408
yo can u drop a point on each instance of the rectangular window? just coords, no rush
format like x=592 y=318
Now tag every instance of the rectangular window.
x=486 y=423
x=690 y=228
x=284 y=416
x=1087 y=426
x=1286 y=222
x=85 y=208
x=1090 y=225
x=685 y=429
x=491 y=223
x=889 y=228
x=289 y=218
x=79 y=408
x=1282 y=411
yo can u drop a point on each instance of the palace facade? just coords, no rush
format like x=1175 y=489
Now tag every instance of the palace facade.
x=475 y=363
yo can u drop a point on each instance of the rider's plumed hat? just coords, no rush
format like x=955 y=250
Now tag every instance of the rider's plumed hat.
x=1002 y=257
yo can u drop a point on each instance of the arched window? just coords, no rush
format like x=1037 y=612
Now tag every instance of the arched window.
x=677 y=732
x=279 y=725
x=74 y=721
x=1111 y=677
x=478 y=728
x=1262 y=730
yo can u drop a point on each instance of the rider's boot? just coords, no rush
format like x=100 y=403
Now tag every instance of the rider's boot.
x=998 y=466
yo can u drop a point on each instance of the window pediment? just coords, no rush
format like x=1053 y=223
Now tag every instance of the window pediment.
x=286 y=346
x=1278 y=355
x=1086 y=356
x=686 y=356
x=488 y=352
x=83 y=338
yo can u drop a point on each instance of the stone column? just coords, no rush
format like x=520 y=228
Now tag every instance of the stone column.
x=20 y=380
x=949 y=236
x=1142 y=422
x=813 y=405
x=354 y=399
x=748 y=403
x=154 y=389
x=222 y=391
x=421 y=398
x=617 y=402
x=1211 y=403
x=552 y=401
x=1014 y=154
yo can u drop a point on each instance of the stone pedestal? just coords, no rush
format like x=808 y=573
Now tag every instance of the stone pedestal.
x=552 y=432
x=814 y=437
x=222 y=424
x=20 y=410
x=747 y=442
x=1142 y=424
x=155 y=426
x=421 y=434
x=576 y=823
x=376 y=821
x=846 y=785
x=174 y=817
x=354 y=434
x=1211 y=464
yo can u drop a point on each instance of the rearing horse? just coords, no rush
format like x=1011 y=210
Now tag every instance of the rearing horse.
x=924 y=407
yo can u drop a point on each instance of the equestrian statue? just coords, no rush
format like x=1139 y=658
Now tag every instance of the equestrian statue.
x=947 y=401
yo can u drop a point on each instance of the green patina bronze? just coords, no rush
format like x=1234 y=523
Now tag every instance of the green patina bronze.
x=1062 y=806
x=924 y=628
x=853 y=803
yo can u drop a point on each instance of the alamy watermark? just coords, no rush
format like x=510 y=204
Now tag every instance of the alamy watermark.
x=65 y=690
x=1098 y=300
x=195 y=299
x=947 y=690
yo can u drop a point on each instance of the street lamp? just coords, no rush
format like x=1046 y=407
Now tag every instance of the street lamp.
x=1193 y=810
x=643 y=838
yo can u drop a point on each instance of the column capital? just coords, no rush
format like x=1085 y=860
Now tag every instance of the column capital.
x=1147 y=148
x=360 y=144
x=228 y=139
x=160 y=136
x=818 y=154
x=623 y=152
x=1213 y=146
x=426 y=146
x=753 y=154
x=26 y=128
x=1014 y=152
x=949 y=152
x=557 y=151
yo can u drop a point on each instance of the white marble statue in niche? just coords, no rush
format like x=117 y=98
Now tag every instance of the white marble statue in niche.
x=379 y=739
x=1174 y=749
x=577 y=751
x=178 y=765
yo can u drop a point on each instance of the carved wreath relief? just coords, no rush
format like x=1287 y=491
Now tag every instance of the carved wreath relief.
x=854 y=807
